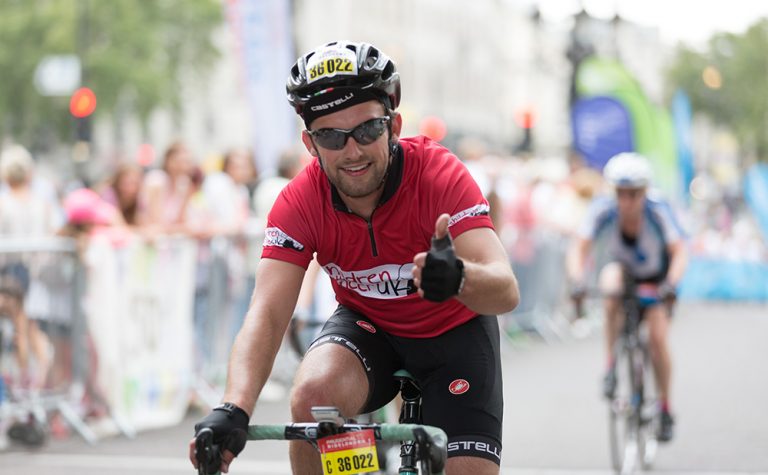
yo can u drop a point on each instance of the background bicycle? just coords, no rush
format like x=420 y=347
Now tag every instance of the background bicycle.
x=632 y=401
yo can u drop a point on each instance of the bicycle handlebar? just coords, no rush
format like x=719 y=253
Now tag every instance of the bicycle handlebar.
x=432 y=440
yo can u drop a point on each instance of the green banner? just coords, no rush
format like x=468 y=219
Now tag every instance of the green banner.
x=653 y=134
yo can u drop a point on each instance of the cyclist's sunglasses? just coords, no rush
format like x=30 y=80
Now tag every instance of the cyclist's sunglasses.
x=365 y=134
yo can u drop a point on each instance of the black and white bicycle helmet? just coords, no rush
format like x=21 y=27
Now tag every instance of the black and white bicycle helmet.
x=322 y=80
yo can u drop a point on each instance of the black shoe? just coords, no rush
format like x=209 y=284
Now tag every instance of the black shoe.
x=666 y=427
x=609 y=384
x=30 y=433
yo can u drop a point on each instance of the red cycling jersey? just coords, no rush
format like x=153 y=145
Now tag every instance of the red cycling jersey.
x=370 y=262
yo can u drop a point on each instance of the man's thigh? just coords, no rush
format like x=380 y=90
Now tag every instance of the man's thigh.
x=460 y=376
x=330 y=375
x=360 y=340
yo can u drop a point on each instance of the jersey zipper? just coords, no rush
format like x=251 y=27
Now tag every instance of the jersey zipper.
x=373 y=239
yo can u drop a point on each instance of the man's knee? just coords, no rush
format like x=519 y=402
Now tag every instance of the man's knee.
x=330 y=375
x=308 y=393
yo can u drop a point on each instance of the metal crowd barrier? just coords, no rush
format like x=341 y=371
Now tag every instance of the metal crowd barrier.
x=538 y=260
x=146 y=327
x=41 y=285
x=224 y=281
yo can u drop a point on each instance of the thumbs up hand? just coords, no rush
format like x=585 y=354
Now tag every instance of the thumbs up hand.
x=439 y=274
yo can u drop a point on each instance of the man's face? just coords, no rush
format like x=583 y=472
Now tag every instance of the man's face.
x=356 y=170
x=630 y=201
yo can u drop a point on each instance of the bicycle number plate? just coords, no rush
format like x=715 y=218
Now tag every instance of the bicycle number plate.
x=351 y=452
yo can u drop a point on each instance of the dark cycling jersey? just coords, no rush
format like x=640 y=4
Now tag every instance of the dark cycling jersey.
x=370 y=262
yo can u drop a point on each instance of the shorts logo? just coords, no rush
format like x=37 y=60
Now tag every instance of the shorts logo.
x=458 y=386
x=366 y=326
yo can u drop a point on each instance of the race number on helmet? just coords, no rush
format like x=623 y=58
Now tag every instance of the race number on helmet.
x=330 y=61
x=341 y=74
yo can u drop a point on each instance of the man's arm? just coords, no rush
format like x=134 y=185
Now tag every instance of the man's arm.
x=253 y=352
x=489 y=286
x=576 y=259
x=678 y=260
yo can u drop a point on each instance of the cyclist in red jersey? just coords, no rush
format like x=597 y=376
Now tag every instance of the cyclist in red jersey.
x=419 y=274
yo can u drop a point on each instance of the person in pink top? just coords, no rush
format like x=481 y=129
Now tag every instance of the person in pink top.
x=167 y=190
x=403 y=231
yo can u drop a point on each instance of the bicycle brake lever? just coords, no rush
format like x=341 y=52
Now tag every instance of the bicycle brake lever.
x=434 y=462
x=206 y=453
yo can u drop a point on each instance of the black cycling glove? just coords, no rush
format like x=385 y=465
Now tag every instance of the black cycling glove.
x=667 y=291
x=229 y=425
x=443 y=274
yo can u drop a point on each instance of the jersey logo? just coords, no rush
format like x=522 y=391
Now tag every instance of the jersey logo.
x=478 y=210
x=366 y=326
x=390 y=281
x=458 y=386
x=276 y=237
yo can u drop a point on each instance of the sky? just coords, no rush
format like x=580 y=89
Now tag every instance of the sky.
x=690 y=21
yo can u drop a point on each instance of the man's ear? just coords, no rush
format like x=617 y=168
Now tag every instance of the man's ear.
x=397 y=126
x=307 y=140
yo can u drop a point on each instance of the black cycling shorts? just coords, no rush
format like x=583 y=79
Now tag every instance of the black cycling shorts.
x=459 y=373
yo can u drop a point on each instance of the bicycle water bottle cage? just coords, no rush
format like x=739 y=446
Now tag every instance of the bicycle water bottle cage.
x=207 y=454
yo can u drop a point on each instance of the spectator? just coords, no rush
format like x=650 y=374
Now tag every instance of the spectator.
x=168 y=190
x=291 y=162
x=89 y=215
x=123 y=191
x=24 y=215
x=226 y=192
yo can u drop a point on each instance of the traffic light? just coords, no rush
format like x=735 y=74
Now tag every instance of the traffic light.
x=525 y=119
x=83 y=103
x=83 y=129
x=81 y=106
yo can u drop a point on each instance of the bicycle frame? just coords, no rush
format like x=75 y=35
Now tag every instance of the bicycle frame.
x=639 y=443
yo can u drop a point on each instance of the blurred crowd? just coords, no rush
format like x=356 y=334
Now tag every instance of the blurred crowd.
x=177 y=197
x=228 y=196
x=537 y=205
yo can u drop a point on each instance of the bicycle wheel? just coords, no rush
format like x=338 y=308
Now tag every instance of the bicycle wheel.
x=301 y=334
x=623 y=420
x=649 y=414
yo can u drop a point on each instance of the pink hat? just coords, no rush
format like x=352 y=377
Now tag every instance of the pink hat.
x=85 y=206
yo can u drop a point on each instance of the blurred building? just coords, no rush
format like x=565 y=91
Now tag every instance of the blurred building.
x=474 y=64
x=480 y=65
x=477 y=65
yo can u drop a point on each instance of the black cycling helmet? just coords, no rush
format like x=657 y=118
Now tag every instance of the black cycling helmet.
x=340 y=74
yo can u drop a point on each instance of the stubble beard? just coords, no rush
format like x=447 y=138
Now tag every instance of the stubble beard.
x=353 y=187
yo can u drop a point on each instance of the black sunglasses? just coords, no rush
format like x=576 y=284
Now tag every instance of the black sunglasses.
x=631 y=193
x=365 y=134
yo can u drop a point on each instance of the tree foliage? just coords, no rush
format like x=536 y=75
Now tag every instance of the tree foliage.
x=133 y=55
x=741 y=101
